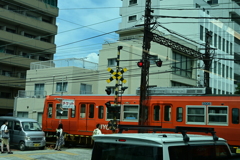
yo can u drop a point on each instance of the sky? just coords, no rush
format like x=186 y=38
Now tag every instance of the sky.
x=79 y=21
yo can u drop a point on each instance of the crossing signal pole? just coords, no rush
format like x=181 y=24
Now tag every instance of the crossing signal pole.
x=145 y=67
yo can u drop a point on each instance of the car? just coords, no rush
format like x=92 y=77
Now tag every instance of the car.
x=161 y=146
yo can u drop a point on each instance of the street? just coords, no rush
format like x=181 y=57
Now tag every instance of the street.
x=49 y=154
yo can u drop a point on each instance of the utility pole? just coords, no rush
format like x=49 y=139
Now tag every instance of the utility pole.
x=207 y=62
x=145 y=69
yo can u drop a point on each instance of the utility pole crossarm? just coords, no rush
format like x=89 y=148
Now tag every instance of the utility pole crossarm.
x=176 y=46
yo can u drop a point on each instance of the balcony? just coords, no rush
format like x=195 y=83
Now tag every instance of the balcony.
x=16 y=60
x=27 y=21
x=236 y=68
x=234 y=7
x=237 y=49
x=32 y=94
x=36 y=4
x=27 y=42
x=6 y=103
x=12 y=81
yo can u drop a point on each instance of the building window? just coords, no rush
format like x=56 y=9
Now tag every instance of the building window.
x=112 y=62
x=39 y=90
x=217 y=115
x=182 y=65
x=212 y=1
x=219 y=68
x=179 y=84
x=227 y=46
x=201 y=32
x=85 y=89
x=22 y=114
x=223 y=45
x=9 y=51
x=223 y=70
x=61 y=86
x=230 y=72
x=29 y=35
x=215 y=40
x=227 y=71
x=196 y=114
x=230 y=48
x=215 y=67
x=235 y=116
x=130 y=112
x=5 y=95
x=10 y=30
x=197 y=5
x=132 y=2
x=219 y=42
x=132 y=18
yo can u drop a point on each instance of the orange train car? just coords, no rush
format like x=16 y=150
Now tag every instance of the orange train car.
x=218 y=112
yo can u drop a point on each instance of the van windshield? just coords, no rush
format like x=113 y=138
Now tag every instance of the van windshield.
x=31 y=126
x=109 y=151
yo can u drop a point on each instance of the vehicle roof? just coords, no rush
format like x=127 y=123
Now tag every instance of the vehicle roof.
x=156 y=137
x=22 y=119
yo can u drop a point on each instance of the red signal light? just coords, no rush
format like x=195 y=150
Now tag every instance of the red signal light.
x=140 y=64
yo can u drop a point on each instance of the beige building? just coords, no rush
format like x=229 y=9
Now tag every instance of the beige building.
x=177 y=68
x=67 y=76
x=27 y=34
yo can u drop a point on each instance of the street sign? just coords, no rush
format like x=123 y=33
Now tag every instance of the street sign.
x=117 y=75
x=68 y=103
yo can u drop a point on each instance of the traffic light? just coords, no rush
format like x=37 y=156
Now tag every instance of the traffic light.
x=108 y=91
x=113 y=125
x=140 y=64
x=159 y=63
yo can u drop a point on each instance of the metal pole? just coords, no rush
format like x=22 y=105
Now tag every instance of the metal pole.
x=207 y=63
x=146 y=64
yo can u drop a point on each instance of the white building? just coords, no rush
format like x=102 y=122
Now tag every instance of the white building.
x=67 y=76
x=224 y=38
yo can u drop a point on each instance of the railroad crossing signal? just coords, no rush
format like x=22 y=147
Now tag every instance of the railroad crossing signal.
x=113 y=125
x=117 y=75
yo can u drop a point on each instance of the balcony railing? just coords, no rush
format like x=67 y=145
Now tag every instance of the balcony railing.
x=31 y=94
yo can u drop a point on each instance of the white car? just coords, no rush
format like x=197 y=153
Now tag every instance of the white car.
x=160 y=146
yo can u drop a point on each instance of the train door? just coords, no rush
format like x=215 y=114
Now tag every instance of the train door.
x=86 y=119
x=155 y=115
x=166 y=116
x=49 y=115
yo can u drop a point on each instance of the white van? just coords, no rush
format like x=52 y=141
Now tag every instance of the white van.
x=24 y=132
x=160 y=146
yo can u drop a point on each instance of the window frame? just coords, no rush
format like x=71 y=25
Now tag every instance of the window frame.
x=134 y=18
x=64 y=110
x=63 y=85
x=217 y=115
x=130 y=112
x=110 y=62
x=192 y=114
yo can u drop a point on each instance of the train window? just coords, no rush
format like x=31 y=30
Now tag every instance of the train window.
x=179 y=114
x=91 y=111
x=130 y=112
x=218 y=115
x=156 y=113
x=83 y=111
x=100 y=112
x=167 y=113
x=49 y=111
x=235 y=116
x=196 y=114
x=61 y=113
x=73 y=111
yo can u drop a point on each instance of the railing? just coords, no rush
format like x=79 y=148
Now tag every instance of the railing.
x=76 y=62
x=31 y=94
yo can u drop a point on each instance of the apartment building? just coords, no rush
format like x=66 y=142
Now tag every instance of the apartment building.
x=167 y=75
x=170 y=16
x=27 y=34
x=55 y=77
